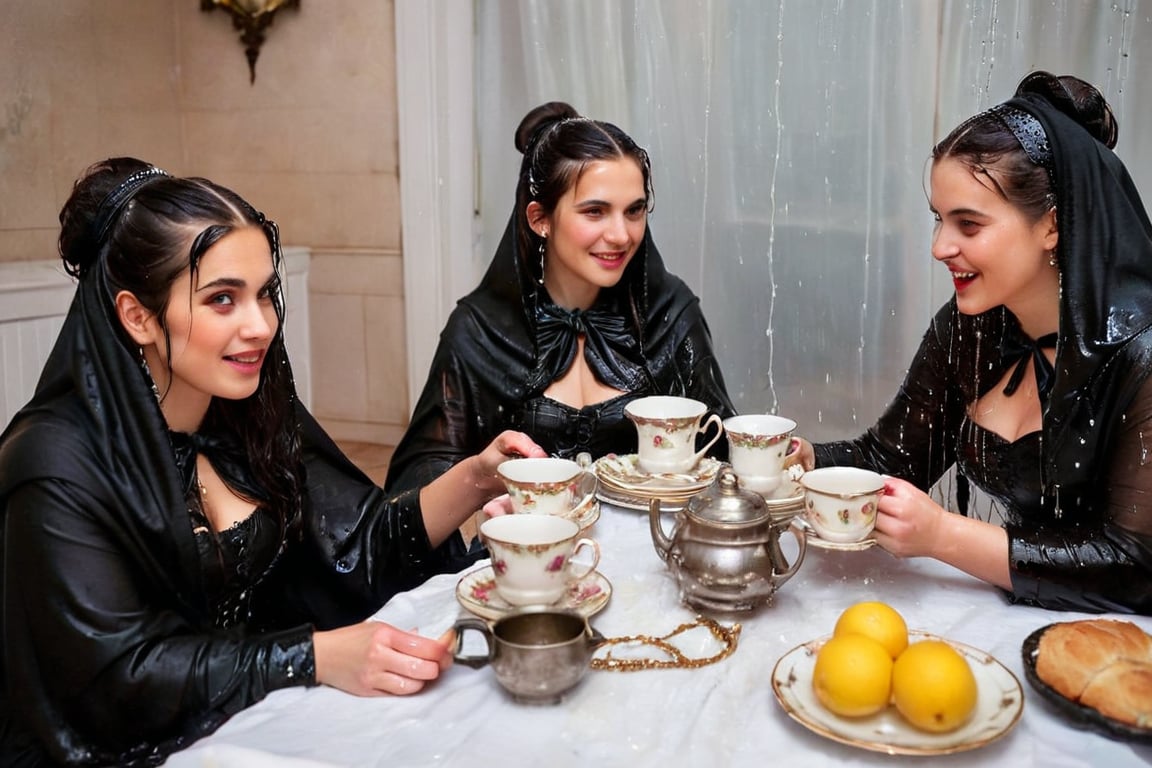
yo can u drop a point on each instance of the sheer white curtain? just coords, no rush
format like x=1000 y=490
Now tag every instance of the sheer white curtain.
x=789 y=142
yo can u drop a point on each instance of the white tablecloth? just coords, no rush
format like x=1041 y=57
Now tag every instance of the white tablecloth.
x=720 y=715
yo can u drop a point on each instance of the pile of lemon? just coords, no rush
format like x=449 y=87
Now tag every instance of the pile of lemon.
x=868 y=663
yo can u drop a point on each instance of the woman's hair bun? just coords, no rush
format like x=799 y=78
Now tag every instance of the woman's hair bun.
x=539 y=119
x=77 y=242
x=1077 y=99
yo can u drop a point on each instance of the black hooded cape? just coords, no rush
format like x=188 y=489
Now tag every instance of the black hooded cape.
x=112 y=651
x=506 y=342
x=1078 y=505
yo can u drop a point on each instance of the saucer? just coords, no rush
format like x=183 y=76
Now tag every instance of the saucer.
x=626 y=500
x=623 y=473
x=476 y=591
x=586 y=513
x=814 y=540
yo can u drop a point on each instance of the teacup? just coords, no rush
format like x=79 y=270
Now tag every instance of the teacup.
x=531 y=556
x=758 y=445
x=840 y=502
x=537 y=655
x=542 y=486
x=667 y=427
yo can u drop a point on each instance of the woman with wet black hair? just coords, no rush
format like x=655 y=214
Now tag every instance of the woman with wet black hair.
x=1034 y=379
x=575 y=318
x=179 y=536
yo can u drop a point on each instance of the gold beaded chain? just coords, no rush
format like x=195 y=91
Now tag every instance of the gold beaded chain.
x=727 y=635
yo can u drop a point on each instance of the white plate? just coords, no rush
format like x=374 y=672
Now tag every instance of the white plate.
x=476 y=591
x=623 y=473
x=999 y=703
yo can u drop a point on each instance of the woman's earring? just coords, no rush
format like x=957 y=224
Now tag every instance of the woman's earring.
x=543 y=244
x=1052 y=259
x=148 y=373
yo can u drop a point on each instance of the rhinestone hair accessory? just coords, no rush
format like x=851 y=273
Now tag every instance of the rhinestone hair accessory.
x=118 y=198
x=1028 y=132
x=541 y=137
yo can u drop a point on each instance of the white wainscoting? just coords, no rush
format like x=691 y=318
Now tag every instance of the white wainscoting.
x=34 y=298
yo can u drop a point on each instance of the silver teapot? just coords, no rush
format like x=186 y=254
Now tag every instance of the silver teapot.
x=724 y=549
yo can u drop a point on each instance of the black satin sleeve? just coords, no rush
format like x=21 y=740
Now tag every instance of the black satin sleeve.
x=445 y=424
x=358 y=545
x=915 y=437
x=99 y=669
x=697 y=370
x=1102 y=562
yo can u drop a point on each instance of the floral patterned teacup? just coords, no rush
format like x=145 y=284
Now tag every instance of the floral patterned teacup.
x=667 y=427
x=758 y=445
x=840 y=502
x=542 y=486
x=532 y=556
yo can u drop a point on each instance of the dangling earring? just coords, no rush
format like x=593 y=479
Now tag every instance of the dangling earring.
x=148 y=373
x=1052 y=259
x=543 y=244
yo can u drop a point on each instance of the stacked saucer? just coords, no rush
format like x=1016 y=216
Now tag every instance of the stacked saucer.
x=623 y=483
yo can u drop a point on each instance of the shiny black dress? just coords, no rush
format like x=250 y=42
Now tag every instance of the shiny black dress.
x=507 y=341
x=128 y=629
x=1077 y=496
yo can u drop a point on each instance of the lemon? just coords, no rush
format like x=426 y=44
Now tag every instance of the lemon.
x=933 y=687
x=853 y=675
x=876 y=620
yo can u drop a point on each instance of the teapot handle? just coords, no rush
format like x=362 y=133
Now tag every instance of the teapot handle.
x=802 y=543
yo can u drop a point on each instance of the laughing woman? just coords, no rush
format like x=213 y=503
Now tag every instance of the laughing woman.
x=1034 y=379
x=179 y=536
x=576 y=317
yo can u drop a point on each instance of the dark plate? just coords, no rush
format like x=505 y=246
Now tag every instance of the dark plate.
x=1078 y=714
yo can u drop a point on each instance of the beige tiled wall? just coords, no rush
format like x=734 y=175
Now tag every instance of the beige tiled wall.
x=358 y=368
x=312 y=143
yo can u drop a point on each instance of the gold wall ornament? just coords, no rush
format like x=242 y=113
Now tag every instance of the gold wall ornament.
x=252 y=18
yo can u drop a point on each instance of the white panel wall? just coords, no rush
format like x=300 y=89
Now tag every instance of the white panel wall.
x=34 y=297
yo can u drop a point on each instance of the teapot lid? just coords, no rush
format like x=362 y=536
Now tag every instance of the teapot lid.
x=725 y=503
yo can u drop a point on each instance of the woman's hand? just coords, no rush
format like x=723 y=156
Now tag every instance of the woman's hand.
x=450 y=499
x=911 y=524
x=372 y=658
x=800 y=452
x=908 y=522
x=507 y=445
x=501 y=505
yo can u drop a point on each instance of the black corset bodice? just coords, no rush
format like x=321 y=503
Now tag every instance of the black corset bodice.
x=1009 y=472
x=564 y=431
x=234 y=561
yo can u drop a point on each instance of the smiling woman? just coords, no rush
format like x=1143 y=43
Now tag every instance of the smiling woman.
x=176 y=525
x=1034 y=379
x=575 y=318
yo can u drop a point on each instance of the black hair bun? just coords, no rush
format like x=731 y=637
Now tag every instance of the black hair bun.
x=1077 y=99
x=539 y=119
x=77 y=245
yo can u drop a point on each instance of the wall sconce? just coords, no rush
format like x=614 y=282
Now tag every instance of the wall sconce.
x=251 y=17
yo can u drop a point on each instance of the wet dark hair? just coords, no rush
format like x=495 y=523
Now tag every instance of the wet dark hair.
x=164 y=228
x=558 y=144
x=988 y=147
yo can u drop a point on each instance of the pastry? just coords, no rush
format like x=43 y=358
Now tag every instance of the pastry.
x=1122 y=691
x=1104 y=664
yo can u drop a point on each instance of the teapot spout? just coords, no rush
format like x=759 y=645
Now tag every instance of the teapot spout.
x=660 y=539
